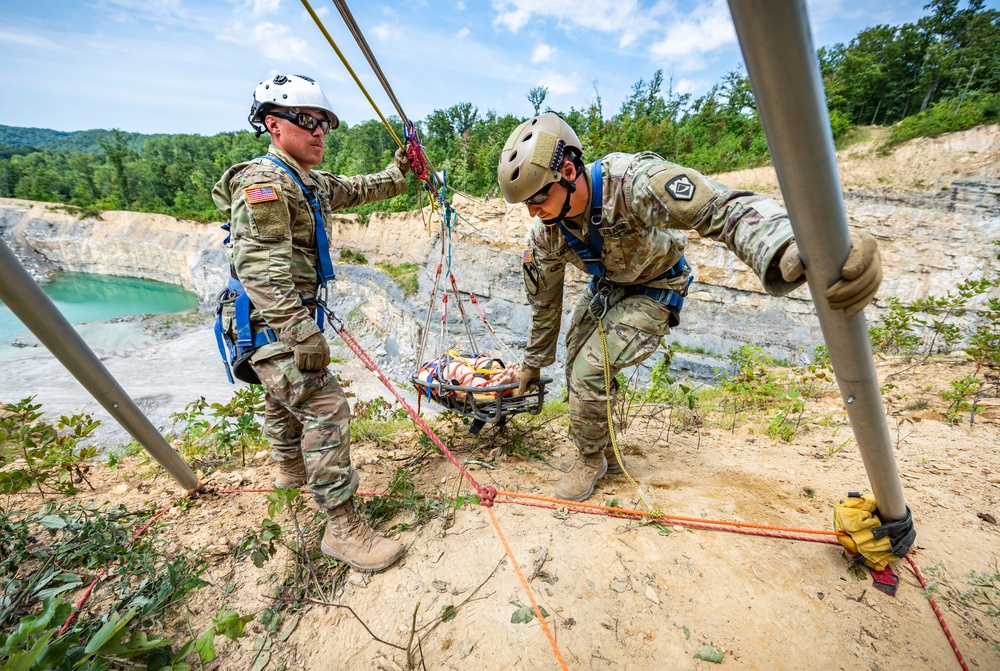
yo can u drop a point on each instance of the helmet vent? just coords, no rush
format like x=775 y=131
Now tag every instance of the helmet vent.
x=513 y=155
x=514 y=175
x=527 y=137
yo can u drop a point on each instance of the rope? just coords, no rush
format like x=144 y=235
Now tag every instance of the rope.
x=665 y=517
x=103 y=572
x=486 y=492
x=489 y=327
x=940 y=616
x=655 y=512
x=527 y=590
x=343 y=59
x=359 y=37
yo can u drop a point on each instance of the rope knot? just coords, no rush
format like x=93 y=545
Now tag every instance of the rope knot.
x=487 y=494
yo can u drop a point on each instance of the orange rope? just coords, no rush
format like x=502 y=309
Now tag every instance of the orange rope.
x=527 y=590
x=640 y=513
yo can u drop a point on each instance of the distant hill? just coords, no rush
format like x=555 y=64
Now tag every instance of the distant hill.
x=20 y=140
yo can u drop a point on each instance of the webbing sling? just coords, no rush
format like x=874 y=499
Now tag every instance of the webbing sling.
x=590 y=252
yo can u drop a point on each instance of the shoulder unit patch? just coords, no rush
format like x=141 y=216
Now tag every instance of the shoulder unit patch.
x=680 y=188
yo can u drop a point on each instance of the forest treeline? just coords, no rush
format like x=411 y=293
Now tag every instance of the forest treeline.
x=939 y=74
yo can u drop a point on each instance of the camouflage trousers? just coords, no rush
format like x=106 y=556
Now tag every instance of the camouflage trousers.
x=633 y=327
x=306 y=412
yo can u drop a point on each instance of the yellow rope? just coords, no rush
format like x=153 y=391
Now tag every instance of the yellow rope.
x=653 y=512
x=322 y=28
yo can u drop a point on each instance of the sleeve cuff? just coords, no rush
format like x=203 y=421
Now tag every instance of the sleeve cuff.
x=299 y=331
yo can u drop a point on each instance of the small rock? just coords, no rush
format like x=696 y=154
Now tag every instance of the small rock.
x=652 y=595
x=986 y=517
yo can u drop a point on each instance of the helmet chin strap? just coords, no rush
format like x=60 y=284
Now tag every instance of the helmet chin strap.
x=570 y=189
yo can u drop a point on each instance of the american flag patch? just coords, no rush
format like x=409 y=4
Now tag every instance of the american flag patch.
x=526 y=257
x=260 y=194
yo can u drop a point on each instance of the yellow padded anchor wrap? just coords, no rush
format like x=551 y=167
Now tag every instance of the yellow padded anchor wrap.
x=857 y=517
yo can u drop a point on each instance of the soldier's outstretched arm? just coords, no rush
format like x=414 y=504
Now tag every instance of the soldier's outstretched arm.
x=347 y=192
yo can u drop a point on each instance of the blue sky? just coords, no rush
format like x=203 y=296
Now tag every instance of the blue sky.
x=190 y=66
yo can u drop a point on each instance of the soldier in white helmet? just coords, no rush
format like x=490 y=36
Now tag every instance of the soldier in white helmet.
x=277 y=206
x=621 y=219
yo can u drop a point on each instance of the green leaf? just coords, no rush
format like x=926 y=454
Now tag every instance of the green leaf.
x=289 y=629
x=25 y=660
x=709 y=653
x=53 y=522
x=230 y=624
x=109 y=633
x=70 y=582
x=205 y=645
x=522 y=615
x=448 y=613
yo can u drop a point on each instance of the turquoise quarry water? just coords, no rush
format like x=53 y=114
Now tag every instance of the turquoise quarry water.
x=83 y=297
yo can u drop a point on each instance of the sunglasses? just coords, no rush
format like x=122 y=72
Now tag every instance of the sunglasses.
x=303 y=120
x=541 y=196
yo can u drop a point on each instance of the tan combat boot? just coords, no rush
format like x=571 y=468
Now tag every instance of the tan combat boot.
x=349 y=539
x=291 y=473
x=578 y=484
x=614 y=468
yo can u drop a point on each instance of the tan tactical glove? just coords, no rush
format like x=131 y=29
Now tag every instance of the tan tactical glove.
x=313 y=353
x=528 y=376
x=862 y=273
x=402 y=161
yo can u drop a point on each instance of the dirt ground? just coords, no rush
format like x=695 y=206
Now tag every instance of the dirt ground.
x=622 y=594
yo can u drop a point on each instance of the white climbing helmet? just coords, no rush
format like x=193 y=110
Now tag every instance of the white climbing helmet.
x=288 y=91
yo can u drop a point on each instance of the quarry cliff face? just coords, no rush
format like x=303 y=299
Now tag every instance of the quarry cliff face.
x=931 y=239
x=132 y=244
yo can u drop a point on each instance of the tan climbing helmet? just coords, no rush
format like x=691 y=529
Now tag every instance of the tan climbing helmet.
x=296 y=91
x=534 y=154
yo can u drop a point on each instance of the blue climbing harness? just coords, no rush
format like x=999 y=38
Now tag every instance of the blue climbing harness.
x=236 y=354
x=590 y=253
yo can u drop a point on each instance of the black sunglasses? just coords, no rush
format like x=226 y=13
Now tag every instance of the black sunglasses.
x=541 y=196
x=303 y=120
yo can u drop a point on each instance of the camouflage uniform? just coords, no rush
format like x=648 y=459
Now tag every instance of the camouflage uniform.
x=647 y=203
x=274 y=255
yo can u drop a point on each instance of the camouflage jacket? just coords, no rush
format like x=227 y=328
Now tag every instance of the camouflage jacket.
x=647 y=204
x=273 y=245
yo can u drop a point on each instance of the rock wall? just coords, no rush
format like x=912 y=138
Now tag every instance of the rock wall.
x=131 y=244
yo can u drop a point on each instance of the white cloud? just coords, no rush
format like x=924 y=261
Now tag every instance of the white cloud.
x=389 y=32
x=622 y=17
x=460 y=6
x=259 y=8
x=558 y=83
x=709 y=28
x=542 y=53
x=463 y=33
x=278 y=42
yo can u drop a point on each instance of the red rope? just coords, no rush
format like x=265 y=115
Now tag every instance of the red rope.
x=100 y=575
x=486 y=492
x=940 y=616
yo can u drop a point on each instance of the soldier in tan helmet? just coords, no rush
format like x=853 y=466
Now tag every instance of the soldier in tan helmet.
x=269 y=323
x=622 y=220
